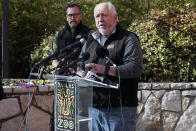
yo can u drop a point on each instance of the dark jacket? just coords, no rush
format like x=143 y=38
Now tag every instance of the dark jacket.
x=65 y=37
x=127 y=94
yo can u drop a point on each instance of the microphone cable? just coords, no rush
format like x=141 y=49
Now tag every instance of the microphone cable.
x=30 y=100
x=120 y=93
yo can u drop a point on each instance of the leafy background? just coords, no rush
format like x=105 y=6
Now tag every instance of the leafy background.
x=167 y=32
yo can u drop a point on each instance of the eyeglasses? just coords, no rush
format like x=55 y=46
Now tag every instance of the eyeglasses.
x=73 y=15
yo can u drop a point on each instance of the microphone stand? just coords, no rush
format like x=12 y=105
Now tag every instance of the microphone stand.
x=41 y=70
x=63 y=70
x=107 y=67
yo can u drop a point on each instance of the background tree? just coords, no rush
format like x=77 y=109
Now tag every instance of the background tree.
x=164 y=28
x=30 y=21
x=168 y=39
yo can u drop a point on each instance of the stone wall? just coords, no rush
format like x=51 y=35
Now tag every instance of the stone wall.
x=162 y=107
x=14 y=106
x=167 y=107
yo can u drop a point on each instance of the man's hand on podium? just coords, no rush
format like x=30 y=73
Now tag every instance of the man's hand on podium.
x=93 y=76
x=81 y=73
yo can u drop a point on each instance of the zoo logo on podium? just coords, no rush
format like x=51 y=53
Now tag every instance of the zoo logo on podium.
x=65 y=105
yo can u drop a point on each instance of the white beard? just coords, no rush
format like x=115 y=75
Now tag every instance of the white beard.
x=104 y=32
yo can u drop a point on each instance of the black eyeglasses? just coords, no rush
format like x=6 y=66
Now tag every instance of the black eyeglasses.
x=73 y=15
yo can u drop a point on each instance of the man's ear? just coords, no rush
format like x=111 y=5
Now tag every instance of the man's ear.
x=81 y=16
x=116 y=17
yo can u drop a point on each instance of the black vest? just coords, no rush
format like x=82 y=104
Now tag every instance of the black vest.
x=65 y=36
x=127 y=94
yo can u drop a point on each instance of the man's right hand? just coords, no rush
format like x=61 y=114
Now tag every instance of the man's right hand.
x=55 y=63
x=81 y=73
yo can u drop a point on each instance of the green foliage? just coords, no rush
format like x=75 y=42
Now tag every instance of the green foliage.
x=167 y=37
x=87 y=8
x=168 y=40
x=43 y=50
x=29 y=23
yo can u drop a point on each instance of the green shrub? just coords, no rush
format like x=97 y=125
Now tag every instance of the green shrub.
x=168 y=41
x=42 y=51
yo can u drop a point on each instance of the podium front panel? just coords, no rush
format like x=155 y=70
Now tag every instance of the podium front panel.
x=71 y=105
x=65 y=104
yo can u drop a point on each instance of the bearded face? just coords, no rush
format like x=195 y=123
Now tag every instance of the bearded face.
x=105 y=19
x=74 y=17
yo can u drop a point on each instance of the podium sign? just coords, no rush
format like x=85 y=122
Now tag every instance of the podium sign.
x=65 y=105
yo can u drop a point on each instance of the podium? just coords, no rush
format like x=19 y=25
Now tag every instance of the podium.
x=72 y=97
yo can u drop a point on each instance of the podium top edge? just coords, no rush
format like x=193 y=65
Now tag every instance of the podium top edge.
x=75 y=78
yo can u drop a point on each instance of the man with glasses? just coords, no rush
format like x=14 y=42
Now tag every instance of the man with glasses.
x=73 y=32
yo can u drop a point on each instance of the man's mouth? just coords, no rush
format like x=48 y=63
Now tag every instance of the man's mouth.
x=73 y=21
x=102 y=26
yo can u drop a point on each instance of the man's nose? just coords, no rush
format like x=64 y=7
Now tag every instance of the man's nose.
x=101 y=18
x=73 y=17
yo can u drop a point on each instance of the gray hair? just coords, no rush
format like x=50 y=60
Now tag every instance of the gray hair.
x=110 y=6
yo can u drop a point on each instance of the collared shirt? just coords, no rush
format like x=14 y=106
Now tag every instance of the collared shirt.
x=100 y=38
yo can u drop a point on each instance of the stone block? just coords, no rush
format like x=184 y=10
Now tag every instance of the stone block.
x=190 y=93
x=9 y=107
x=187 y=121
x=12 y=124
x=180 y=86
x=38 y=120
x=139 y=96
x=45 y=102
x=24 y=99
x=51 y=88
x=171 y=101
x=7 y=90
x=193 y=84
x=159 y=94
x=21 y=90
x=145 y=95
x=185 y=102
x=43 y=89
x=143 y=86
x=169 y=120
x=160 y=86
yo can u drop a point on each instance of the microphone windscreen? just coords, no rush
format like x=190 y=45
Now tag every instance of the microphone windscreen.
x=102 y=52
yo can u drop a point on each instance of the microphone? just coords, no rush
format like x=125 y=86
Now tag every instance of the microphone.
x=73 y=45
x=84 y=57
x=69 y=56
x=102 y=52
x=49 y=57
x=64 y=68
